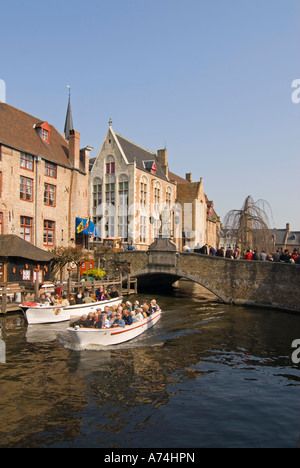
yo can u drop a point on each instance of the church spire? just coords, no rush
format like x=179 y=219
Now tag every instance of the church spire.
x=69 y=120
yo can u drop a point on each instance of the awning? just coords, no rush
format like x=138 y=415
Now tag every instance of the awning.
x=85 y=226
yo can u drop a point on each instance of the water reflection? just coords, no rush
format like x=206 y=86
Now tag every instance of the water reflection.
x=205 y=375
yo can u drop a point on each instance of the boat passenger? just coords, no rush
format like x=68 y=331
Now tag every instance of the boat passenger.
x=90 y=319
x=139 y=314
x=119 y=322
x=55 y=300
x=97 y=323
x=146 y=310
x=114 y=293
x=82 y=322
x=107 y=295
x=79 y=296
x=113 y=316
x=134 y=319
x=106 y=323
x=65 y=302
x=153 y=306
x=87 y=298
x=48 y=297
x=127 y=317
x=128 y=306
x=72 y=299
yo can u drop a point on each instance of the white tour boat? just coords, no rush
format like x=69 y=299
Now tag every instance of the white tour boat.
x=112 y=336
x=37 y=313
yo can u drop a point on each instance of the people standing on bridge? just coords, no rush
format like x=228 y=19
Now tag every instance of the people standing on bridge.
x=237 y=253
x=220 y=252
x=212 y=251
x=263 y=256
x=255 y=255
x=229 y=253
x=248 y=255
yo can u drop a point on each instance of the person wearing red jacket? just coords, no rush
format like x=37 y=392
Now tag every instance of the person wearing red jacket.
x=248 y=255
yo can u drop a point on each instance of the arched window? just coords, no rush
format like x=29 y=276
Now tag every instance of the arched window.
x=143 y=192
x=97 y=192
x=157 y=196
x=168 y=196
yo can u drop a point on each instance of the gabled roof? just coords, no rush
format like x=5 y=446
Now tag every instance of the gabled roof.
x=177 y=178
x=286 y=238
x=13 y=246
x=19 y=130
x=138 y=154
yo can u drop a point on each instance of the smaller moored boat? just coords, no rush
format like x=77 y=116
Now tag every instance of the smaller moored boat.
x=85 y=337
x=37 y=313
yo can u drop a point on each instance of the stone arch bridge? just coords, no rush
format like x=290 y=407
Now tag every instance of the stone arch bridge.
x=240 y=282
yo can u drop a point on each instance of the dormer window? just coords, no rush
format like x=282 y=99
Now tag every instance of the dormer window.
x=150 y=166
x=45 y=135
x=44 y=130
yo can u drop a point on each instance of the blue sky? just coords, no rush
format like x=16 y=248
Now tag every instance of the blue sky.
x=211 y=80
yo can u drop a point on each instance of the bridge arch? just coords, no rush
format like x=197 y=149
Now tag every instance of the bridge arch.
x=151 y=279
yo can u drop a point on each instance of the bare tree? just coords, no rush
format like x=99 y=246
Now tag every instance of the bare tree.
x=250 y=225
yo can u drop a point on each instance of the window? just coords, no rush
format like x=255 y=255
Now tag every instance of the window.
x=110 y=168
x=49 y=195
x=157 y=197
x=26 y=189
x=143 y=228
x=143 y=192
x=45 y=135
x=123 y=193
x=50 y=170
x=168 y=196
x=49 y=232
x=26 y=228
x=110 y=194
x=97 y=192
x=123 y=207
x=110 y=165
x=26 y=161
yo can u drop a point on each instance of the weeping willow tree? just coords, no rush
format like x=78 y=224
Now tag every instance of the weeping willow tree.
x=250 y=225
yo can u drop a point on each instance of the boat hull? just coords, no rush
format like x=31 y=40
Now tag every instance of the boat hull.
x=41 y=313
x=85 y=337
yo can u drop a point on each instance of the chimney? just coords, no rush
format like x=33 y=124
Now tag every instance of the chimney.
x=188 y=177
x=2 y=91
x=74 y=148
x=163 y=160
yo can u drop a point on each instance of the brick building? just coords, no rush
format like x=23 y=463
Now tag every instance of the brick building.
x=43 y=179
x=135 y=196
x=131 y=194
x=200 y=223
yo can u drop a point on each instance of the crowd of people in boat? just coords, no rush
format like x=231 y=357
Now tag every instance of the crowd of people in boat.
x=117 y=316
x=280 y=256
x=81 y=297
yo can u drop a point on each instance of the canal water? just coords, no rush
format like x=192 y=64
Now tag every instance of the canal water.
x=207 y=375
